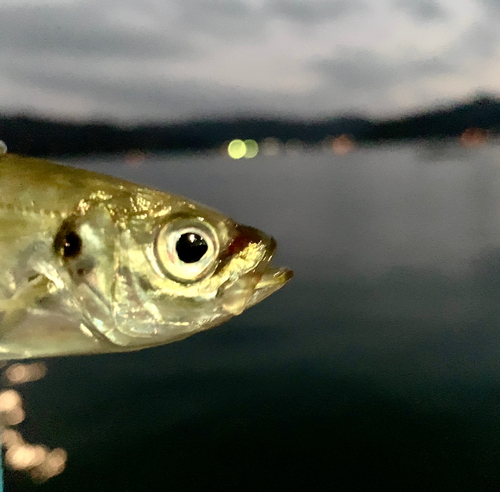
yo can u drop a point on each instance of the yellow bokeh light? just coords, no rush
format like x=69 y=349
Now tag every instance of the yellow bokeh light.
x=37 y=460
x=11 y=437
x=252 y=149
x=271 y=146
x=342 y=145
x=9 y=400
x=23 y=456
x=236 y=149
x=14 y=417
x=21 y=373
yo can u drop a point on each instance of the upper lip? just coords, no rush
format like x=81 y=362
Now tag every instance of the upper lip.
x=260 y=282
x=271 y=278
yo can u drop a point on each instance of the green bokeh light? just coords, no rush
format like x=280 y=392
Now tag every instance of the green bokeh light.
x=252 y=148
x=236 y=149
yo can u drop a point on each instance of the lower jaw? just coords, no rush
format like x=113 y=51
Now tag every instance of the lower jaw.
x=272 y=280
x=237 y=295
x=252 y=288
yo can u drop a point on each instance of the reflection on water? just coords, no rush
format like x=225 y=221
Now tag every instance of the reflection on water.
x=38 y=461
x=23 y=373
x=378 y=365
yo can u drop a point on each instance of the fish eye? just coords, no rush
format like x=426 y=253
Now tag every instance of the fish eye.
x=191 y=247
x=187 y=249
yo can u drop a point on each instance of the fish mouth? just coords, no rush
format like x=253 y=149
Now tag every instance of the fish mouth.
x=271 y=281
x=260 y=282
x=254 y=287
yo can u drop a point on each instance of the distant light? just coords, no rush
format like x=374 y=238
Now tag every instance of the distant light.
x=135 y=157
x=252 y=149
x=37 y=460
x=20 y=457
x=236 y=149
x=9 y=400
x=11 y=437
x=294 y=147
x=22 y=373
x=473 y=137
x=25 y=456
x=342 y=144
x=14 y=416
x=53 y=465
x=271 y=146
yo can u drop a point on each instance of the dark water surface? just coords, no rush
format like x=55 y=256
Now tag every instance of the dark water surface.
x=377 y=366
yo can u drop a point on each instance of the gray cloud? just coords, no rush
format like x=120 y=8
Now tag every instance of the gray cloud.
x=357 y=71
x=422 y=10
x=356 y=79
x=228 y=20
x=236 y=18
x=82 y=30
x=144 y=96
x=364 y=70
x=492 y=6
x=113 y=58
x=368 y=82
x=172 y=29
x=62 y=49
x=480 y=40
x=312 y=11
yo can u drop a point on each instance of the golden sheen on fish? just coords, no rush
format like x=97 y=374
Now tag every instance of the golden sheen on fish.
x=94 y=264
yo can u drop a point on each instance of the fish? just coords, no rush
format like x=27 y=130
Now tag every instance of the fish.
x=94 y=264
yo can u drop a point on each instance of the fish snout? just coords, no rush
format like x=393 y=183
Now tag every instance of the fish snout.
x=258 y=283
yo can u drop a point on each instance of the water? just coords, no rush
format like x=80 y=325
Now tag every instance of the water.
x=377 y=366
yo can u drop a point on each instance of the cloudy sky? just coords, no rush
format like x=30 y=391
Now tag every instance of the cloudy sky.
x=130 y=60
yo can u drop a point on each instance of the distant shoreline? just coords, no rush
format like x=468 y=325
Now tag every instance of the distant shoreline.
x=473 y=121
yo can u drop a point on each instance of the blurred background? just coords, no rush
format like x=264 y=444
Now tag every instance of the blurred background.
x=364 y=136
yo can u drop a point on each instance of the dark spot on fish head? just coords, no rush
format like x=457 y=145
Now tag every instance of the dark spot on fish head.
x=84 y=267
x=72 y=245
x=67 y=242
x=68 y=245
x=145 y=284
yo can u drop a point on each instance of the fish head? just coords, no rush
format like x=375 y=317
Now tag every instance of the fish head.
x=148 y=268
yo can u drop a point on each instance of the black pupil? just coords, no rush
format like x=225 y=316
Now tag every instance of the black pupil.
x=191 y=247
x=72 y=245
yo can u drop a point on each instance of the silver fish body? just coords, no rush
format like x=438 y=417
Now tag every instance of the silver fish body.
x=94 y=264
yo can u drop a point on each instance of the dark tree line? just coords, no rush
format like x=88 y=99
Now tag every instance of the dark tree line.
x=39 y=137
x=482 y=113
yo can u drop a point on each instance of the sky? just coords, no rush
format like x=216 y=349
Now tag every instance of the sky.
x=175 y=60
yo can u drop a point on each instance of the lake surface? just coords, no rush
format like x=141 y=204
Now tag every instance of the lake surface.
x=378 y=365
